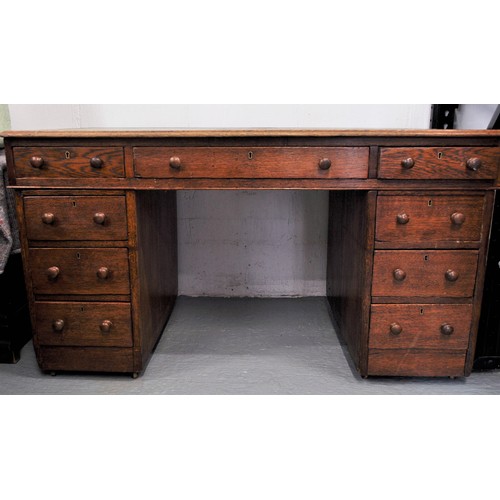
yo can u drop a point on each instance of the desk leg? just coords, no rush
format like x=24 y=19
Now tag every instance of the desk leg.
x=351 y=230
x=153 y=254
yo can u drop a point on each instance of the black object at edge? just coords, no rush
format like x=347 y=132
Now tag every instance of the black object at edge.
x=443 y=116
x=487 y=355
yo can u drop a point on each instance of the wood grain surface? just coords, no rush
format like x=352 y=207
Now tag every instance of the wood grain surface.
x=68 y=162
x=421 y=326
x=251 y=162
x=82 y=322
x=247 y=132
x=74 y=218
x=429 y=219
x=78 y=270
x=438 y=163
x=416 y=363
x=425 y=273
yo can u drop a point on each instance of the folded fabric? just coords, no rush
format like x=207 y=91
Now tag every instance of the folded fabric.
x=9 y=233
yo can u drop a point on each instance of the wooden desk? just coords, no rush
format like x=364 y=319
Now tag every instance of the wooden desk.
x=409 y=222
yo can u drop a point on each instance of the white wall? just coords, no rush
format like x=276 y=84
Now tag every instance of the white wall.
x=474 y=116
x=29 y=116
x=238 y=243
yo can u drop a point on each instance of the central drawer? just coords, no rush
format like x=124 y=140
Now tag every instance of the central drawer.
x=83 y=271
x=252 y=162
x=428 y=273
x=63 y=218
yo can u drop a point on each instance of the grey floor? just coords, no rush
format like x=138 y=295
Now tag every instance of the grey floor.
x=242 y=346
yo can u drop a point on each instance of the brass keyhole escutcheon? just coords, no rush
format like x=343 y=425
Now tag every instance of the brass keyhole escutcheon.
x=440 y=155
x=67 y=155
x=250 y=155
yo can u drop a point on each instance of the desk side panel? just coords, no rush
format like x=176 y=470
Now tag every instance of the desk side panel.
x=349 y=268
x=155 y=283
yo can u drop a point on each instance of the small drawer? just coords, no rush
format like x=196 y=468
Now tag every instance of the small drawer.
x=57 y=162
x=416 y=363
x=82 y=271
x=412 y=273
x=61 y=218
x=472 y=163
x=252 y=162
x=424 y=326
x=83 y=324
x=429 y=219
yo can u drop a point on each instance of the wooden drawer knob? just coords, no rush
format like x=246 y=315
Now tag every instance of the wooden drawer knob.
x=58 y=325
x=403 y=219
x=474 y=164
x=457 y=218
x=175 y=162
x=36 y=161
x=96 y=162
x=447 y=329
x=53 y=272
x=105 y=326
x=408 y=163
x=396 y=328
x=48 y=218
x=103 y=273
x=451 y=275
x=325 y=164
x=99 y=218
x=399 y=274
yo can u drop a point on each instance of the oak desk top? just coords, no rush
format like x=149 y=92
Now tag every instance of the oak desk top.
x=247 y=132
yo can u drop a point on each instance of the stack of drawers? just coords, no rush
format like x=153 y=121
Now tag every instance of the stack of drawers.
x=79 y=263
x=427 y=246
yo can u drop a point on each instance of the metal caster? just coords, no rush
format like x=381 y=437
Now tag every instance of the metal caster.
x=135 y=375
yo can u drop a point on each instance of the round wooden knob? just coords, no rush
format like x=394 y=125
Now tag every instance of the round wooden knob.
x=451 y=275
x=399 y=274
x=396 y=328
x=53 y=272
x=175 y=162
x=408 y=163
x=325 y=164
x=103 y=273
x=447 y=329
x=403 y=218
x=96 y=162
x=99 y=218
x=58 y=325
x=48 y=218
x=457 y=218
x=105 y=326
x=36 y=161
x=474 y=164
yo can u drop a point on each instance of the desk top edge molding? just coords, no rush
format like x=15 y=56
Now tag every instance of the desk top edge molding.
x=249 y=132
